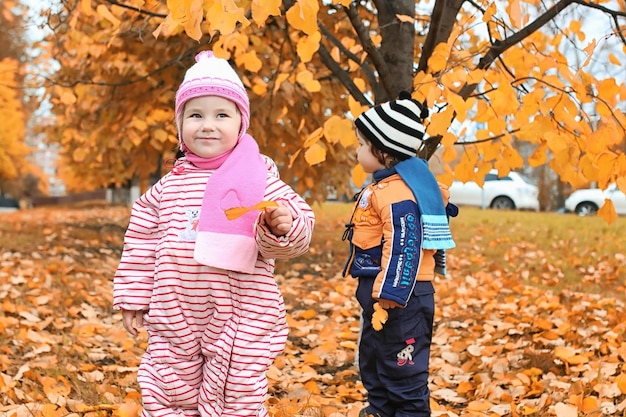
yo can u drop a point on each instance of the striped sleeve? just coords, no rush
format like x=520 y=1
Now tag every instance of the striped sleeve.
x=134 y=278
x=296 y=241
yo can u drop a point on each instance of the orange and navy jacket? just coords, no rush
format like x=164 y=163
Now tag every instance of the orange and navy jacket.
x=385 y=235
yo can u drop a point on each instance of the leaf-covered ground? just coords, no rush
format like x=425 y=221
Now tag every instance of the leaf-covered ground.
x=530 y=321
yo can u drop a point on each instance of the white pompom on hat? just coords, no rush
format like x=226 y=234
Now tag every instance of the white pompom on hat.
x=395 y=127
x=212 y=76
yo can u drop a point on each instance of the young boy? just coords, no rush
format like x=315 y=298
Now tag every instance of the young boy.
x=398 y=234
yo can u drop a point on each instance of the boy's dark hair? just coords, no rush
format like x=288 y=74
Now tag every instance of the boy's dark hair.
x=383 y=157
x=397 y=126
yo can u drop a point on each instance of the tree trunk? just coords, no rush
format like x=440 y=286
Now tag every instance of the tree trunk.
x=397 y=46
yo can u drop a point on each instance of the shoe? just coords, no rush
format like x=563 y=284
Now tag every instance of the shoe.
x=364 y=413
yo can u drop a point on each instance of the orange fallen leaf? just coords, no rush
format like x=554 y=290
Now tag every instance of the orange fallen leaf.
x=621 y=382
x=129 y=409
x=236 y=212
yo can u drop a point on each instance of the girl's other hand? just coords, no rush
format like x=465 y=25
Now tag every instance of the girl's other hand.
x=130 y=316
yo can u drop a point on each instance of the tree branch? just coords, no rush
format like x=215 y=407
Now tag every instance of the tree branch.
x=136 y=9
x=342 y=75
x=442 y=21
x=498 y=47
x=490 y=139
x=369 y=74
x=172 y=62
x=368 y=46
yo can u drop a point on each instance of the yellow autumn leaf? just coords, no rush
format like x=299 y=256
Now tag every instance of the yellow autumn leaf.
x=621 y=382
x=85 y=7
x=192 y=25
x=51 y=410
x=589 y=51
x=312 y=387
x=515 y=13
x=590 y=405
x=355 y=107
x=313 y=137
x=250 y=61
x=405 y=18
x=613 y=59
x=358 y=175
x=160 y=135
x=308 y=45
x=606 y=166
x=575 y=25
x=259 y=87
x=440 y=122
x=139 y=124
x=234 y=213
x=439 y=58
x=67 y=97
x=223 y=17
x=621 y=184
x=379 y=317
x=449 y=154
x=348 y=345
x=607 y=211
x=336 y=129
x=460 y=105
x=315 y=154
x=527 y=410
x=280 y=78
x=79 y=154
x=491 y=10
x=306 y=79
x=308 y=314
x=293 y=158
x=106 y=13
x=312 y=358
x=129 y=409
x=538 y=157
x=59 y=386
x=262 y=9
x=609 y=87
x=479 y=405
x=303 y=16
x=562 y=410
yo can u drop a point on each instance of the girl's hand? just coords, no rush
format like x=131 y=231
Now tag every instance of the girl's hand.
x=128 y=316
x=278 y=219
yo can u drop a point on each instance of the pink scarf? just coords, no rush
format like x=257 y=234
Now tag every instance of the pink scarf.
x=239 y=181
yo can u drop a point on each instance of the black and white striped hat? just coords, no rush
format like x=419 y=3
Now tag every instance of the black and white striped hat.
x=395 y=127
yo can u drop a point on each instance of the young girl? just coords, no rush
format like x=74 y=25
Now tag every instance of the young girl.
x=201 y=283
x=398 y=234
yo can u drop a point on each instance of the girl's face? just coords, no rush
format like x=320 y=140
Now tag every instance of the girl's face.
x=364 y=155
x=211 y=126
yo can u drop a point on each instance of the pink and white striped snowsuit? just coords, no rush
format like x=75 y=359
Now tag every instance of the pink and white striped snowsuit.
x=212 y=333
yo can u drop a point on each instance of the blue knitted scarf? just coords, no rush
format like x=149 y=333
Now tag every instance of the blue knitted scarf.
x=418 y=177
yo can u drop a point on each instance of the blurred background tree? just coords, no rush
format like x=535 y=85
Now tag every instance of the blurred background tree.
x=502 y=91
x=19 y=178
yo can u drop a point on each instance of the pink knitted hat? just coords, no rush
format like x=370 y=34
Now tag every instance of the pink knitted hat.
x=212 y=76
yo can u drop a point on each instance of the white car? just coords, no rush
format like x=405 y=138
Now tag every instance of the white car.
x=513 y=191
x=585 y=202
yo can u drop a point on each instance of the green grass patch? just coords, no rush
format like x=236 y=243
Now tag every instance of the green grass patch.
x=549 y=250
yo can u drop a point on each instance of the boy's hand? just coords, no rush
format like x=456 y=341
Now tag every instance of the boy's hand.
x=128 y=316
x=278 y=219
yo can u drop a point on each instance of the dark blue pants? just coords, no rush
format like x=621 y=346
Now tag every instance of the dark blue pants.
x=394 y=361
